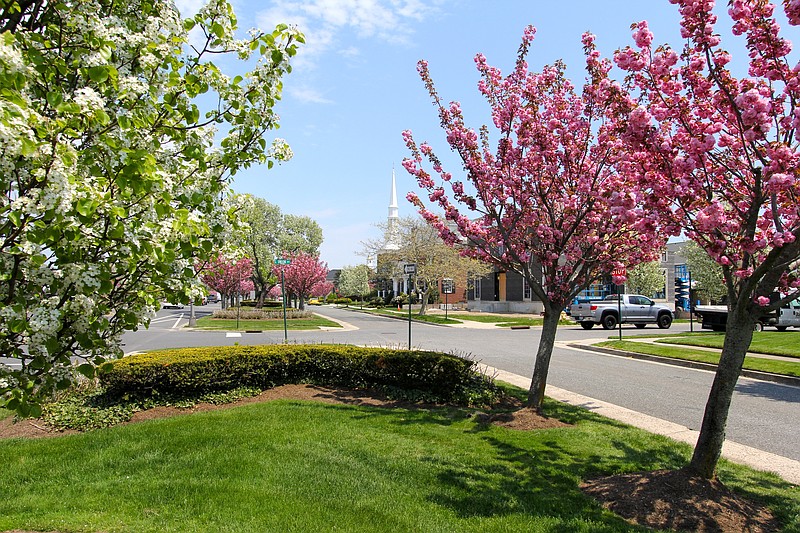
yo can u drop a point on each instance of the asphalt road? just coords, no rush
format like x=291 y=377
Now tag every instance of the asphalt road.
x=763 y=415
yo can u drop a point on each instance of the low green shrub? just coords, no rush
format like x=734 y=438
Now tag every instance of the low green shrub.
x=434 y=376
x=86 y=409
x=259 y=314
x=343 y=301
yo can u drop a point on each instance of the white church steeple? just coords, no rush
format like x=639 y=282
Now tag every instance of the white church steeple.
x=393 y=209
x=392 y=236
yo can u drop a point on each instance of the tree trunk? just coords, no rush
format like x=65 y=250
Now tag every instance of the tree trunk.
x=301 y=302
x=260 y=298
x=423 y=308
x=543 y=354
x=739 y=333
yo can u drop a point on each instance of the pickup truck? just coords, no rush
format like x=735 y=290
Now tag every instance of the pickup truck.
x=637 y=310
x=715 y=317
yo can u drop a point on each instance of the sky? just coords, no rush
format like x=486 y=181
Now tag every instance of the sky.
x=354 y=89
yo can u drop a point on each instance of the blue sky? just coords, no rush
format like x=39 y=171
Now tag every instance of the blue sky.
x=355 y=88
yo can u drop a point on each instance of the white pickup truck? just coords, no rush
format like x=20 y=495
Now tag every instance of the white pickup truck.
x=635 y=309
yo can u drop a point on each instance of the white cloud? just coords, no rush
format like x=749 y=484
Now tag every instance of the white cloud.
x=308 y=95
x=325 y=23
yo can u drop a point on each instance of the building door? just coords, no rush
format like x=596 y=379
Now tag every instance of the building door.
x=501 y=281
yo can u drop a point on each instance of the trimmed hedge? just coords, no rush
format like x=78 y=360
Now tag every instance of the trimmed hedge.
x=193 y=371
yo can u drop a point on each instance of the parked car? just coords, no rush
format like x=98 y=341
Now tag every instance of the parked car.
x=212 y=298
x=634 y=308
x=170 y=305
x=314 y=301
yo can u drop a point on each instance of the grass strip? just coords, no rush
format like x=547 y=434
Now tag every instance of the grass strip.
x=307 y=466
x=433 y=319
x=787 y=368
x=785 y=343
x=208 y=323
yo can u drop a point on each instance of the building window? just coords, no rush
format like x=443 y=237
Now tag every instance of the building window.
x=664 y=256
x=526 y=289
x=477 y=288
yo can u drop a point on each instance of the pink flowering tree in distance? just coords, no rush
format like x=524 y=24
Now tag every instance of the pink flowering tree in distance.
x=728 y=148
x=321 y=289
x=229 y=277
x=302 y=275
x=549 y=201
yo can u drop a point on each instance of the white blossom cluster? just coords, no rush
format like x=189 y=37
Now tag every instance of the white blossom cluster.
x=104 y=193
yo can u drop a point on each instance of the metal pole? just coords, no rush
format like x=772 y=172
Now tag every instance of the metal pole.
x=445 y=305
x=691 y=304
x=283 y=298
x=619 y=309
x=192 y=319
x=409 y=312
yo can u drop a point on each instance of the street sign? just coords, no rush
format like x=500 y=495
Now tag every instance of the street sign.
x=283 y=261
x=410 y=269
x=619 y=272
x=448 y=286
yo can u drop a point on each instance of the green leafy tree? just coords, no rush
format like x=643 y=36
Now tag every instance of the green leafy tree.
x=354 y=281
x=268 y=234
x=421 y=244
x=646 y=279
x=706 y=273
x=111 y=176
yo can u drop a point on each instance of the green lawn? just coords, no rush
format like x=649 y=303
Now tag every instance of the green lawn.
x=264 y=325
x=787 y=368
x=305 y=466
x=785 y=343
x=433 y=319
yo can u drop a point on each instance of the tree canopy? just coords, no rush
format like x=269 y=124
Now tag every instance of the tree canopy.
x=111 y=175
x=551 y=199
x=720 y=154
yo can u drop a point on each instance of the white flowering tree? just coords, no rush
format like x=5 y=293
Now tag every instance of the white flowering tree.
x=119 y=139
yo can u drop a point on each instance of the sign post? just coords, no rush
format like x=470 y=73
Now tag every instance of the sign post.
x=409 y=269
x=619 y=272
x=448 y=287
x=284 y=261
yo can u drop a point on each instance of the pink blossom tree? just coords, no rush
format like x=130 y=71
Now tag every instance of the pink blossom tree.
x=301 y=276
x=229 y=277
x=550 y=203
x=321 y=289
x=727 y=150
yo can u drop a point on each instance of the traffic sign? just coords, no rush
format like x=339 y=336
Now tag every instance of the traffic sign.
x=448 y=286
x=283 y=261
x=410 y=268
x=619 y=272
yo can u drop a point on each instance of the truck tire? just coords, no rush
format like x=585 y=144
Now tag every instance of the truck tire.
x=609 y=321
x=758 y=327
x=587 y=325
x=664 y=321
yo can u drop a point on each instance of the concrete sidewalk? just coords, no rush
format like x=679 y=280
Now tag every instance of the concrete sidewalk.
x=788 y=469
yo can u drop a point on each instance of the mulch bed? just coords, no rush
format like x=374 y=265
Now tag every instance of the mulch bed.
x=664 y=499
x=676 y=500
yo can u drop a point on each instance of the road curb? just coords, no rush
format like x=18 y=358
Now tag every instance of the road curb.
x=752 y=374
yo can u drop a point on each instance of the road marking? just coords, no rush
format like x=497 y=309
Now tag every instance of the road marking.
x=175 y=325
x=229 y=334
